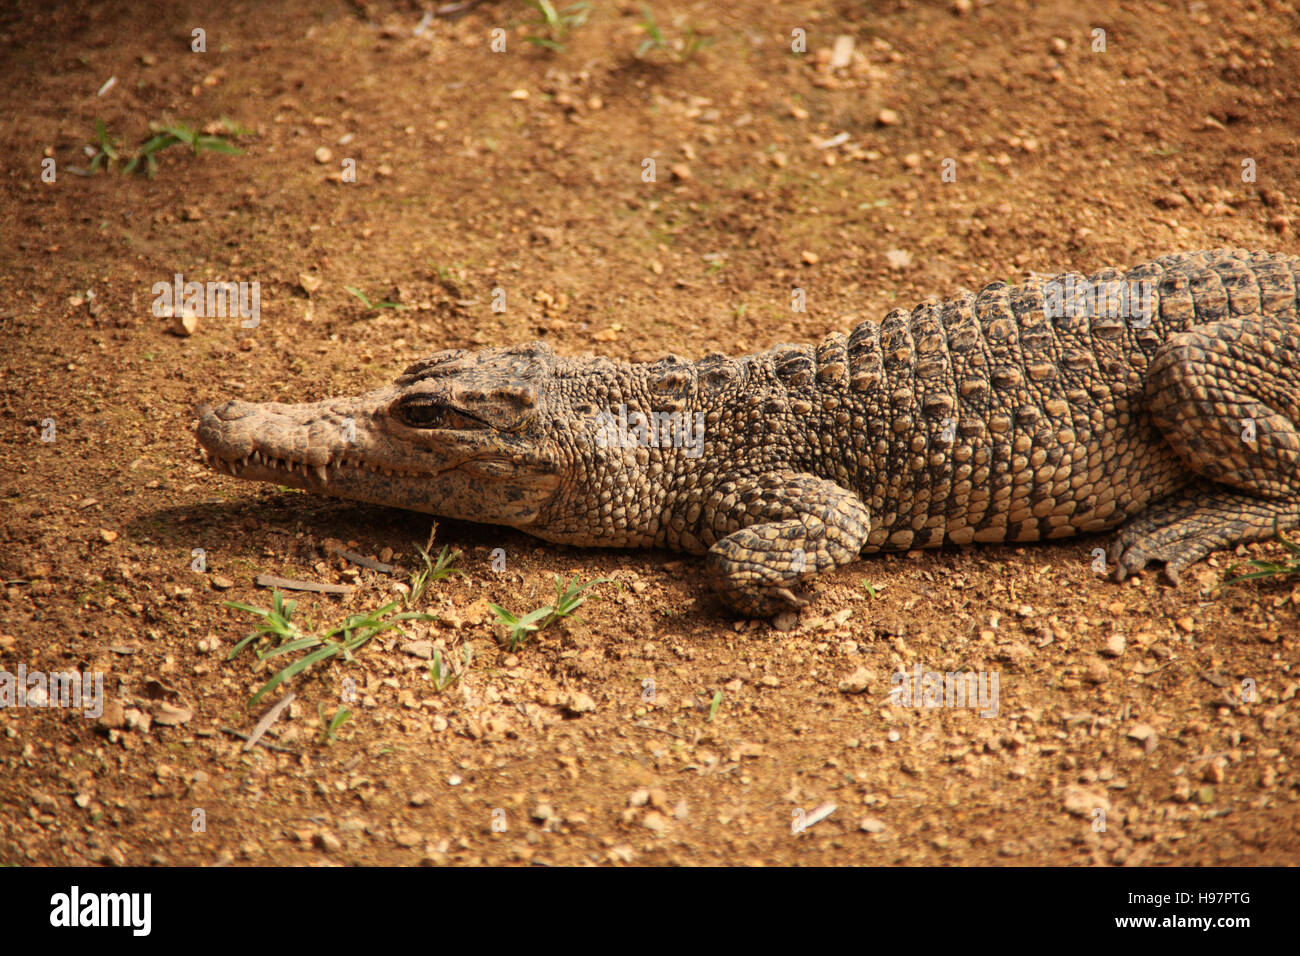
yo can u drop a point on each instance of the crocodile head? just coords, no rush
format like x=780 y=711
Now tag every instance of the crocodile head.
x=460 y=434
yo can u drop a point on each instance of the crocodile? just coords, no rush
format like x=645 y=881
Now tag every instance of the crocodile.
x=1162 y=401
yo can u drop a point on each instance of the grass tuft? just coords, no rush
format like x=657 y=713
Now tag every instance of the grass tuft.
x=1280 y=571
x=372 y=306
x=568 y=598
x=110 y=153
x=552 y=26
x=682 y=50
x=287 y=638
x=330 y=728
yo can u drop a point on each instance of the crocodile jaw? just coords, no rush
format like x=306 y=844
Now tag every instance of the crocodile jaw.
x=351 y=448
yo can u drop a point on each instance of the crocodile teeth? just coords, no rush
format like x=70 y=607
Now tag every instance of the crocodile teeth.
x=322 y=473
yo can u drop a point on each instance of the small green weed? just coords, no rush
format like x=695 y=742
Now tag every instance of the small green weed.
x=873 y=591
x=441 y=676
x=568 y=598
x=682 y=50
x=330 y=727
x=434 y=570
x=110 y=152
x=370 y=305
x=1271 y=569
x=287 y=638
x=553 y=25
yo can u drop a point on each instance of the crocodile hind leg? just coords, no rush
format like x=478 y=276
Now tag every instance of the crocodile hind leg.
x=1226 y=396
x=771 y=532
x=1182 y=529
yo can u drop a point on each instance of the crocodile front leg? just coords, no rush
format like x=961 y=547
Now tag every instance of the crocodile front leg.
x=774 y=531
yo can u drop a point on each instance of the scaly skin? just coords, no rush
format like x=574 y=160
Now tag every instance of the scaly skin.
x=988 y=417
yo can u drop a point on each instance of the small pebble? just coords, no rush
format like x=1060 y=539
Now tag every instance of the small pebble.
x=328 y=842
x=842 y=52
x=856 y=682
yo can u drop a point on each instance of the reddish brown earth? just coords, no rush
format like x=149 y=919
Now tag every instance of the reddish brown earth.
x=522 y=170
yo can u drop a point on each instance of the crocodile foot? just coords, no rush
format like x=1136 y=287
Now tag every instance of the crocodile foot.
x=784 y=529
x=1184 y=528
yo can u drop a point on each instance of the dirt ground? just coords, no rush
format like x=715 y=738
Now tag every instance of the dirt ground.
x=522 y=170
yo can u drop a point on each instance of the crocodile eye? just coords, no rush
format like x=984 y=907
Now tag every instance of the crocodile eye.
x=434 y=416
